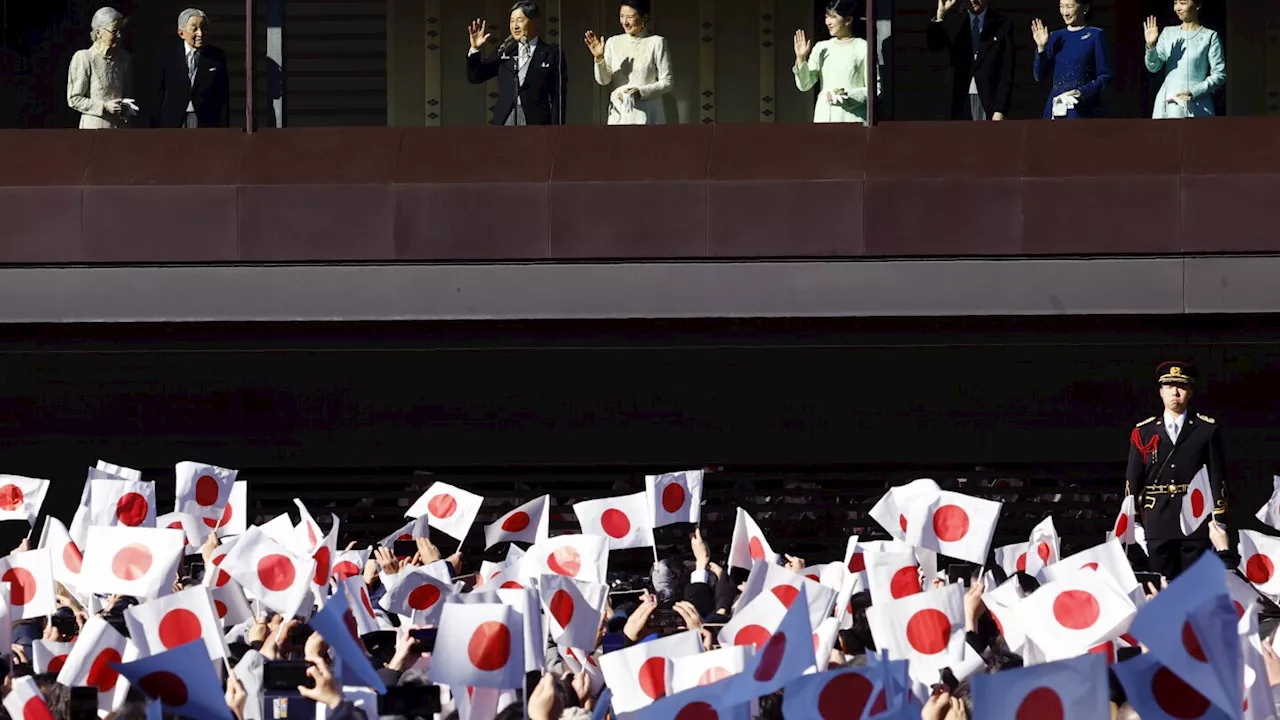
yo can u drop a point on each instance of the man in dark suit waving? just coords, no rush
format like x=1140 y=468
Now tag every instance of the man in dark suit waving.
x=980 y=43
x=531 y=73
x=1165 y=453
x=193 y=89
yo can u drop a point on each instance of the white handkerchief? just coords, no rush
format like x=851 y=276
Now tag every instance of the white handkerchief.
x=1063 y=103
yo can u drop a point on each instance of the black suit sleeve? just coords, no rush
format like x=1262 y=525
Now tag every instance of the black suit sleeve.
x=222 y=91
x=1008 y=66
x=481 y=70
x=1217 y=474
x=155 y=102
x=936 y=34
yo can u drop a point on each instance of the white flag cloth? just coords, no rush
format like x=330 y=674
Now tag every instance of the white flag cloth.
x=527 y=523
x=1002 y=602
x=214 y=575
x=25 y=702
x=527 y=613
x=448 y=509
x=89 y=664
x=581 y=557
x=640 y=674
x=307 y=533
x=64 y=555
x=890 y=510
x=50 y=656
x=1269 y=513
x=80 y=521
x=361 y=605
x=418 y=595
x=748 y=543
x=234 y=519
x=479 y=645
x=704 y=668
x=1191 y=628
x=1074 y=689
x=582 y=661
x=142 y=562
x=1124 y=529
x=674 y=497
x=230 y=604
x=335 y=624
x=926 y=628
x=1012 y=558
x=323 y=553
x=122 y=502
x=855 y=563
x=891 y=575
x=175 y=620
x=1044 y=547
x=785 y=585
x=1107 y=558
x=29 y=576
x=202 y=490
x=194 y=531
x=1068 y=616
x=1197 y=504
x=21 y=497
x=754 y=622
x=844 y=693
x=1259 y=557
x=348 y=563
x=574 y=609
x=412 y=530
x=623 y=520
x=692 y=704
x=787 y=654
x=182 y=679
x=277 y=577
x=953 y=524
x=1157 y=693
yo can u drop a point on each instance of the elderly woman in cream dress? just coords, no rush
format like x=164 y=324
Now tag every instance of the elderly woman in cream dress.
x=839 y=64
x=634 y=66
x=98 y=80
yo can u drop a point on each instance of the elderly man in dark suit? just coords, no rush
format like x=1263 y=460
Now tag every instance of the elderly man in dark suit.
x=980 y=43
x=532 y=80
x=194 y=88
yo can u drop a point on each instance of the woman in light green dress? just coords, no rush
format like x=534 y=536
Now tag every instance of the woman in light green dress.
x=838 y=66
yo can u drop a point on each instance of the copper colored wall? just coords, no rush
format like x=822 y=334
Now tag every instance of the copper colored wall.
x=480 y=193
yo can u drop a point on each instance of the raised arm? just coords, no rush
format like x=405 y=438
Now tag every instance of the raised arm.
x=479 y=70
x=1157 y=51
x=600 y=55
x=807 y=74
x=935 y=34
x=1043 y=66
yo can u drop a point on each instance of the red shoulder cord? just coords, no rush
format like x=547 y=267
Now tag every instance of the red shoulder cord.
x=1146 y=449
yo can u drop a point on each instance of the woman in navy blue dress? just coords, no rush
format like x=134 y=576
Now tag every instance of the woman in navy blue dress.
x=1078 y=58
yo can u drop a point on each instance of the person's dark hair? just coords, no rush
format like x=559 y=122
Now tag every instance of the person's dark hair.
x=845 y=8
x=644 y=7
x=528 y=7
x=563 y=688
x=770 y=707
x=57 y=697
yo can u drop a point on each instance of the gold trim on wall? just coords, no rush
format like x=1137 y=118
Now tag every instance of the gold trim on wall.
x=435 y=107
x=707 y=61
x=768 y=50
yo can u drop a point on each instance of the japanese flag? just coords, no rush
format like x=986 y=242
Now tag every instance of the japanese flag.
x=786 y=655
x=748 y=544
x=674 y=497
x=25 y=702
x=214 y=575
x=696 y=703
x=131 y=503
x=1012 y=558
x=1269 y=513
x=64 y=555
x=411 y=530
x=1044 y=547
x=337 y=626
x=581 y=661
x=361 y=605
x=418 y=595
x=1197 y=504
x=890 y=511
x=640 y=674
x=954 y=524
x=1002 y=602
x=202 y=490
x=323 y=553
x=926 y=628
x=182 y=679
x=448 y=509
x=623 y=520
x=230 y=604
x=175 y=620
x=506 y=578
x=29 y=576
x=527 y=523
x=234 y=518
x=1124 y=528
x=348 y=563
x=1074 y=689
x=50 y=656
x=855 y=562
x=89 y=664
x=892 y=575
x=785 y=585
x=479 y=645
x=21 y=497
x=142 y=562
x=702 y=669
x=1107 y=558
x=574 y=609
x=192 y=529
x=307 y=533
x=1157 y=693
x=1259 y=557
x=754 y=622
x=277 y=577
x=1068 y=616
x=581 y=557
x=845 y=693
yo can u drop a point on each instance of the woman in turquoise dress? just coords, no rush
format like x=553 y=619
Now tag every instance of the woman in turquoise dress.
x=1190 y=55
x=839 y=65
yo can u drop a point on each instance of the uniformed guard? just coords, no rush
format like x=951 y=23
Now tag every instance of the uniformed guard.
x=1165 y=453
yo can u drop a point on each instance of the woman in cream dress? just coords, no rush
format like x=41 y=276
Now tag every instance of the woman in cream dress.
x=1191 y=56
x=99 y=77
x=839 y=64
x=634 y=66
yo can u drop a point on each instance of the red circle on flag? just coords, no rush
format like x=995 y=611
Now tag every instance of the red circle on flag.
x=565 y=560
x=652 y=677
x=221 y=608
x=345 y=569
x=1021 y=564
x=22 y=585
x=424 y=596
x=950 y=523
x=771 y=657
x=1040 y=704
x=615 y=523
x=844 y=696
x=516 y=521
x=1259 y=569
x=227 y=512
x=906 y=581
x=1089 y=566
x=131 y=562
x=999 y=625
x=131 y=509
x=857 y=563
x=902 y=522
x=511 y=585
x=206 y=491
x=1043 y=551
x=1239 y=609
x=755 y=548
x=168 y=688
x=1122 y=525
x=442 y=506
x=490 y=646
x=1076 y=609
x=276 y=572
x=179 y=627
x=561 y=606
x=1197 y=502
x=755 y=635
x=223 y=577
x=787 y=594
x=56 y=664
x=697 y=710
x=364 y=600
x=929 y=631
x=711 y=675
x=1175 y=697
x=1191 y=643
x=673 y=497
x=101 y=674
x=10 y=497
x=36 y=709
x=322 y=565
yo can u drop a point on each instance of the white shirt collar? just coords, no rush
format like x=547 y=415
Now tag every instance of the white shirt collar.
x=533 y=44
x=1177 y=420
x=188 y=48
